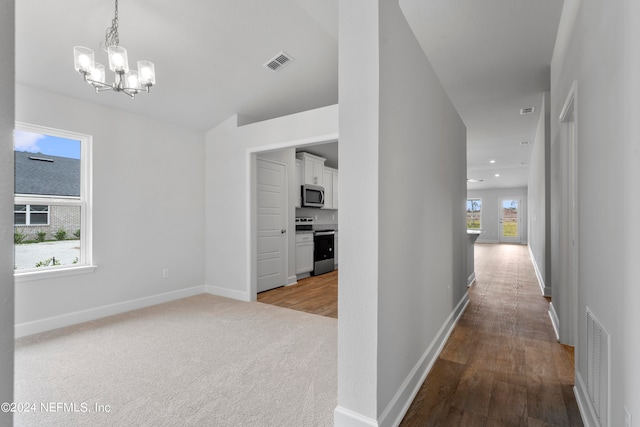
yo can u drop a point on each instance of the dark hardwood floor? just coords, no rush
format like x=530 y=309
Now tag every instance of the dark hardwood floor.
x=502 y=364
x=316 y=294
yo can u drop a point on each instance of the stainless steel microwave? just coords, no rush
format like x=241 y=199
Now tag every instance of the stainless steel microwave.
x=312 y=196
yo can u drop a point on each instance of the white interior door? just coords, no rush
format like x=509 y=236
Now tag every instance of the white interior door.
x=271 y=225
x=509 y=231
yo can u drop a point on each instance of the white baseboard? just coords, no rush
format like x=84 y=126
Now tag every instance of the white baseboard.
x=228 y=293
x=584 y=403
x=303 y=276
x=546 y=290
x=343 y=417
x=555 y=321
x=471 y=279
x=68 y=319
x=398 y=406
x=292 y=280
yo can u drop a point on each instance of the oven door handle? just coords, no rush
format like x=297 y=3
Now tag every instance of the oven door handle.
x=324 y=233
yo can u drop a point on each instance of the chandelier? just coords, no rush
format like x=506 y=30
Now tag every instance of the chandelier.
x=130 y=82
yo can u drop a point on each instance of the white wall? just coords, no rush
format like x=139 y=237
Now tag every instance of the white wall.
x=631 y=153
x=590 y=50
x=7 y=26
x=148 y=212
x=403 y=269
x=229 y=166
x=491 y=212
x=538 y=198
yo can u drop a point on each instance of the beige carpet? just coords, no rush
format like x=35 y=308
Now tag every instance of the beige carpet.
x=203 y=360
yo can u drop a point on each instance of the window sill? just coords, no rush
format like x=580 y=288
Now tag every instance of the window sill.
x=28 y=276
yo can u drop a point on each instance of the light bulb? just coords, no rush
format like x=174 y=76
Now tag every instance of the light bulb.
x=84 y=61
x=117 y=59
x=133 y=81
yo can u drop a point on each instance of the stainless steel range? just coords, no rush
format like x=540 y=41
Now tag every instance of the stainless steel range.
x=323 y=251
x=323 y=245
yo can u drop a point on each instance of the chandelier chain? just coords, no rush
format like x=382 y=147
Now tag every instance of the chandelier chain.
x=111 y=35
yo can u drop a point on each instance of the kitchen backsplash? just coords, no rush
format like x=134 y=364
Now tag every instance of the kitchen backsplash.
x=323 y=216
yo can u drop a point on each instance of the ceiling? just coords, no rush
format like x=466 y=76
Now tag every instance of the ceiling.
x=492 y=57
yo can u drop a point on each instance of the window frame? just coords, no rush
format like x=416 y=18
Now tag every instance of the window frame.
x=84 y=202
x=28 y=212
x=469 y=199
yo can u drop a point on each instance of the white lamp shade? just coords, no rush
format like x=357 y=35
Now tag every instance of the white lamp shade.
x=132 y=81
x=97 y=74
x=147 y=73
x=118 y=61
x=83 y=59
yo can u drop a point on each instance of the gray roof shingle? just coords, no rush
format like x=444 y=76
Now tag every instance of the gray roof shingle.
x=46 y=175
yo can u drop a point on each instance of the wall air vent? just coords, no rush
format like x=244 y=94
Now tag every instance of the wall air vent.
x=469 y=180
x=598 y=349
x=527 y=110
x=278 y=61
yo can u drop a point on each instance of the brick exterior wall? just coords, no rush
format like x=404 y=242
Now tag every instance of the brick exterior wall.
x=66 y=218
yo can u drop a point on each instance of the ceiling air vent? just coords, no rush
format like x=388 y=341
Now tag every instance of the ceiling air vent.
x=527 y=110
x=278 y=61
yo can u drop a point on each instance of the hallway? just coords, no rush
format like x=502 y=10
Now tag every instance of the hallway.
x=502 y=364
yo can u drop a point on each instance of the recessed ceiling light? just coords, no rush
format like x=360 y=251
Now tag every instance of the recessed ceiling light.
x=497 y=175
x=492 y=161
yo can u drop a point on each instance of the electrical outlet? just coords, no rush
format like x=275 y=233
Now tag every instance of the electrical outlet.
x=165 y=273
x=627 y=417
x=316 y=217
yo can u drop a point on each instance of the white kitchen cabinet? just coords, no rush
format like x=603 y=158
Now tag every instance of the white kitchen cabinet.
x=312 y=168
x=304 y=253
x=327 y=180
x=330 y=179
x=334 y=196
x=298 y=198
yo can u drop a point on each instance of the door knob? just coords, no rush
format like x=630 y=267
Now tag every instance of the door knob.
x=283 y=231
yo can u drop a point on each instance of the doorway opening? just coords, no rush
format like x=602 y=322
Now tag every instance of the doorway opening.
x=510 y=229
x=266 y=238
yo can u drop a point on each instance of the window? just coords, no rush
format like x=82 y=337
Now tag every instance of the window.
x=474 y=214
x=31 y=215
x=52 y=210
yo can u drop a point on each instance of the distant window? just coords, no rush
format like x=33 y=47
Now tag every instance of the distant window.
x=52 y=195
x=474 y=213
x=31 y=215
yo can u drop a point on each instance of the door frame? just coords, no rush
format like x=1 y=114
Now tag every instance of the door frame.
x=569 y=126
x=502 y=239
x=251 y=155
